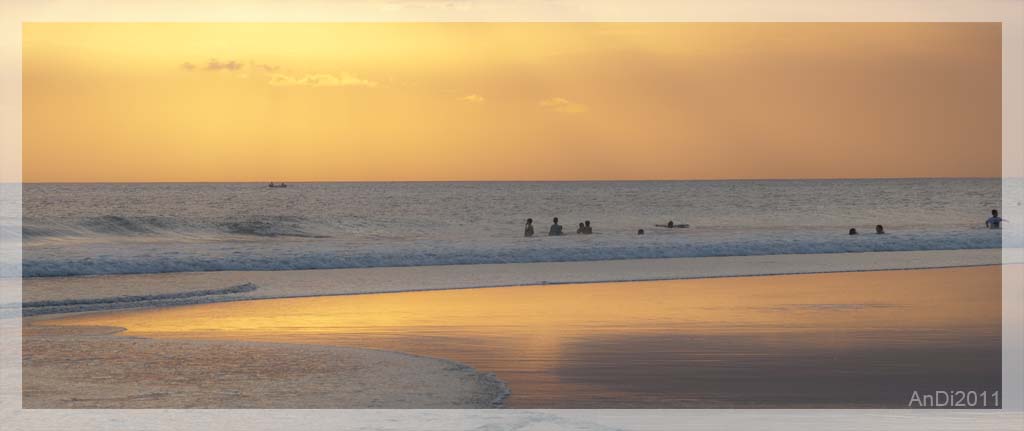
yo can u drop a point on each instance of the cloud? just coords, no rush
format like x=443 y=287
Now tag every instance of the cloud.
x=214 y=65
x=472 y=98
x=264 y=67
x=231 y=66
x=255 y=70
x=559 y=104
x=319 y=80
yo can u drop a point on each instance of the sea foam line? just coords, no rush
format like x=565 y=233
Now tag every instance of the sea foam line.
x=247 y=287
x=33 y=308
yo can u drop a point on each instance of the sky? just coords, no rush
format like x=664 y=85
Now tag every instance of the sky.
x=111 y=102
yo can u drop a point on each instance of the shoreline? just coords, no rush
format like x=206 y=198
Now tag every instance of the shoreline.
x=47 y=353
x=171 y=342
x=63 y=295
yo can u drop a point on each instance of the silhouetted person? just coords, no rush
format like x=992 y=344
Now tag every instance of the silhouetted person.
x=879 y=229
x=640 y=232
x=670 y=224
x=580 y=230
x=556 y=229
x=529 y=228
x=587 y=229
x=853 y=231
x=994 y=221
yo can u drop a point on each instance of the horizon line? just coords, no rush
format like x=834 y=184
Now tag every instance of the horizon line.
x=507 y=181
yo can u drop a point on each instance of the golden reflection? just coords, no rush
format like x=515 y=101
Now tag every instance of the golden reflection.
x=965 y=298
x=570 y=341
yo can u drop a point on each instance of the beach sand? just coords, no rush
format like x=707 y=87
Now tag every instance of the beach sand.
x=52 y=295
x=92 y=366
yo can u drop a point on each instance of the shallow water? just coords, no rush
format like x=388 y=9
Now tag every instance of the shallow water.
x=820 y=340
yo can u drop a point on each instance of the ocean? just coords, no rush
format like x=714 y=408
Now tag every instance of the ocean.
x=94 y=229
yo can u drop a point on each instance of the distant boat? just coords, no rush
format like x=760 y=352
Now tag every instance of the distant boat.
x=277 y=186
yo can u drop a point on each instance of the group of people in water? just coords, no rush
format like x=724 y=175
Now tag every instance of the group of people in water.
x=584 y=228
x=556 y=229
x=993 y=222
x=879 y=230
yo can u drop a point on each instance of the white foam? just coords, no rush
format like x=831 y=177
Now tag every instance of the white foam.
x=190 y=256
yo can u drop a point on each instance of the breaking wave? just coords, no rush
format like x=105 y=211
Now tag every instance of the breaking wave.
x=120 y=226
x=334 y=254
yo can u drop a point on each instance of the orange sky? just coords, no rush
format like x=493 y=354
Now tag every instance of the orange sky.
x=509 y=101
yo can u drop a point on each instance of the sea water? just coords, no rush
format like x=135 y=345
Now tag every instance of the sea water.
x=91 y=229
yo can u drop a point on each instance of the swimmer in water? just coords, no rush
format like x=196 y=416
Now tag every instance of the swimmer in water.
x=879 y=230
x=994 y=221
x=853 y=231
x=529 y=228
x=556 y=229
x=587 y=229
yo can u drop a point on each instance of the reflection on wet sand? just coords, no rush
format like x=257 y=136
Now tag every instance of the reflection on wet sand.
x=821 y=340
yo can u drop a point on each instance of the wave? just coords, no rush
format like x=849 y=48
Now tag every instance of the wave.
x=122 y=226
x=122 y=259
x=34 y=308
x=266 y=229
x=116 y=225
x=242 y=288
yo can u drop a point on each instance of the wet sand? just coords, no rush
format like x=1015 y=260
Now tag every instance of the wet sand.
x=94 y=367
x=844 y=340
x=53 y=295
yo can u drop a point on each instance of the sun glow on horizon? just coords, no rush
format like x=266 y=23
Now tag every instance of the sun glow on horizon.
x=509 y=101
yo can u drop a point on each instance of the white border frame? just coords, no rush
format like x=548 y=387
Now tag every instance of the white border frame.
x=1010 y=12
